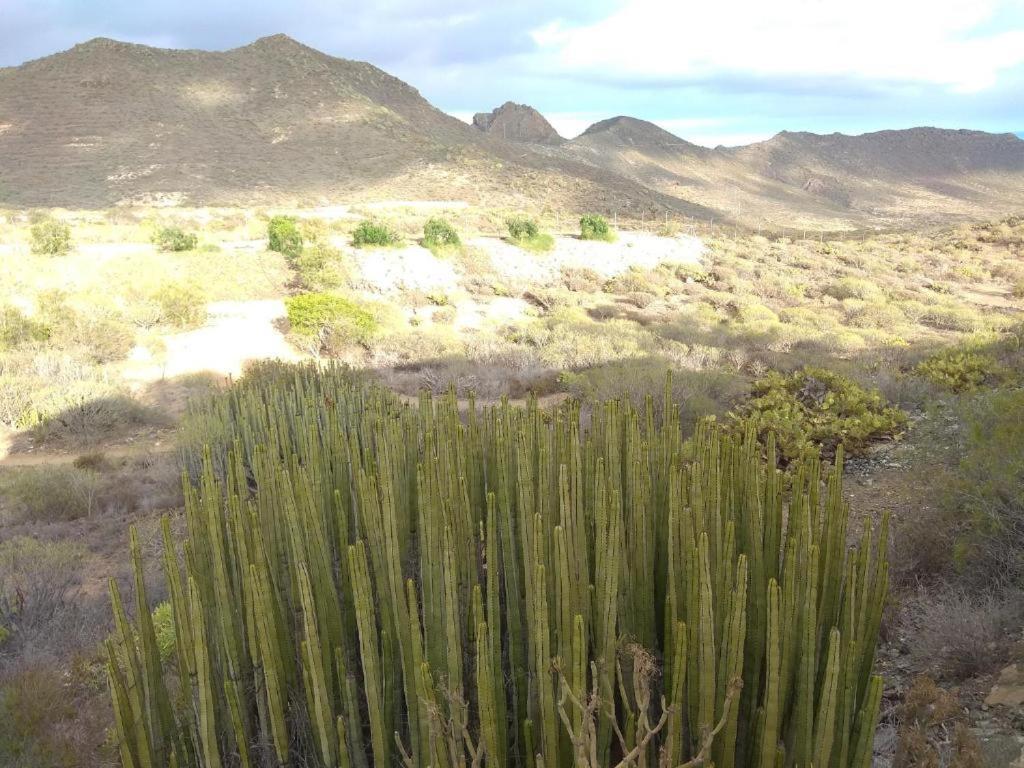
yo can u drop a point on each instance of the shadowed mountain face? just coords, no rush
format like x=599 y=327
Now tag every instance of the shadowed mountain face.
x=278 y=122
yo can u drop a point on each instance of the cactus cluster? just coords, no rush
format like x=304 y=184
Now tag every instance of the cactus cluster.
x=371 y=583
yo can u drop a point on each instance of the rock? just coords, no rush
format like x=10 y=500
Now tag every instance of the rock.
x=1002 y=750
x=517 y=122
x=1009 y=688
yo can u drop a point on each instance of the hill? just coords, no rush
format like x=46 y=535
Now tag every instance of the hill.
x=274 y=121
x=517 y=122
x=889 y=178
x=277 y=122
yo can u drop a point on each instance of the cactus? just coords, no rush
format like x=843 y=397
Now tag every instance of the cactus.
x=366 y=581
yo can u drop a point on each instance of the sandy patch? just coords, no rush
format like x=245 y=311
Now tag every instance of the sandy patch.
x=235 y=333
x=631 y=249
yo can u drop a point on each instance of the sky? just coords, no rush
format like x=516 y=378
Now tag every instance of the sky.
x=721 y=72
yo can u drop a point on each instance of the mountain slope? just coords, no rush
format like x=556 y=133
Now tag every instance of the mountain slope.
x=277 y=122
x=804 y=179
x=109 y=122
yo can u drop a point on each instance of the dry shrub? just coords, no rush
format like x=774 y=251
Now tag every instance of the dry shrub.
x=931 y=732
x=50 y=494
x=53 y=716
x=957 y=635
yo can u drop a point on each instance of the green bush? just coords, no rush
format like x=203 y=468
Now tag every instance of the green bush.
x=17 y=330
x=370 y=234
x=989 y=491
x=594 y=227
x=438 y=233
x=330 y=321
x=524 y=233
x=183 y=306
x=51 y=238
x=816 y=410
x=163 y=627
x=284 y=237
x=521 y=228
x=320 y=267
x=960 y=370
x=175 y=239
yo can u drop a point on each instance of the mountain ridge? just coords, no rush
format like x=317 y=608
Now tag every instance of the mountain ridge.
x=107 y=122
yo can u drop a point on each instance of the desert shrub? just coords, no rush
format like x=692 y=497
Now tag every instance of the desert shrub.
x=633 y=280
x=926 y=716
x=51 y=238
x=668 y=229
x=284 y=237
x=320 y=267
x=754 y=314
x=36 y=578
x=594 y=227
x=328 y=322
x=370 y=234
x=961 y=370
x=101 y=336
x=951 y=317
x=175 y=239
x=83 y=412
x=50 y=494
x=181 y=305
x=16 y=329
x=443 y=315
x=809 y=317
x=525 y=233
x=876 y=314
x=989 y=490
x=521 y=228
x=16 y=395
x=581 y=279
x=853 y=288
x=959 y=634
x=817 y=410
x=700 y=393
x=438 y=233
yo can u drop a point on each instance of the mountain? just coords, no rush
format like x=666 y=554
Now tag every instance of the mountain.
x=517 y=122
x=271 y=122
x=886 y=178
x=277 y=122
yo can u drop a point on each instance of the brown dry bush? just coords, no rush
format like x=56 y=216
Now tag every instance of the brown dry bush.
x=956 y=635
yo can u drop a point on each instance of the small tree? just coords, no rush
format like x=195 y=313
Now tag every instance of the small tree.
x=374 y=233
x=51 y=237
x=284 y=237
x=594 y=227
x=175 y=239
x=438 y=233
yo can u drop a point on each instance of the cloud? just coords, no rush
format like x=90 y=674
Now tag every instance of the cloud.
x=952 y=43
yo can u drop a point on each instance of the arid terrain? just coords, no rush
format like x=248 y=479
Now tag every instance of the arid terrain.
x=276 y=122
x=203 y=254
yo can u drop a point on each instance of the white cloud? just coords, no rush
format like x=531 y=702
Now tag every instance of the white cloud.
x=919 y=41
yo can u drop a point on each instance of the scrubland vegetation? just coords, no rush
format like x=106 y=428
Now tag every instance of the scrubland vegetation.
x=900 y=352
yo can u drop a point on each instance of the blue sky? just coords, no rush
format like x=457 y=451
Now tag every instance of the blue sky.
x=721 y=72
